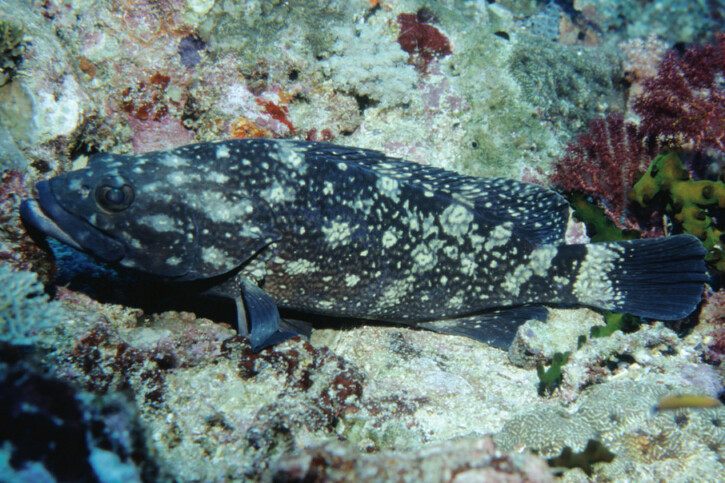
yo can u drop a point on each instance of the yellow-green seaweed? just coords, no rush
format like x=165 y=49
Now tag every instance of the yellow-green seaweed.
x=688 y=201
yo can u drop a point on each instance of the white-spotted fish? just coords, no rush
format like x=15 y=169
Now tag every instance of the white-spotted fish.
x=329 y=230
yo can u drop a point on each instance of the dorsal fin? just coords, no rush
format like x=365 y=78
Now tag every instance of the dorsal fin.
x=537 y=214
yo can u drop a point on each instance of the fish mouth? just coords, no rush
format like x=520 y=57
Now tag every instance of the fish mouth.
x=46 y=215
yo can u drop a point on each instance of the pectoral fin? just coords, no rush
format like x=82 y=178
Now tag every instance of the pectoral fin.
x=262 y=317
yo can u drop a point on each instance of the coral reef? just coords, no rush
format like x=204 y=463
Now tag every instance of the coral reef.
x=498 y=87
x=641 y=58
x=254 y=28
x=595 y=452
x=673 y=20
x=368 y=64
x=16 y=248
x=713 y=323
x=624 y=322
x=550 y=379
x=599 y=227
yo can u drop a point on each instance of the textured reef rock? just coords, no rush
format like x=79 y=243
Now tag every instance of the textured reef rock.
x=54 y=432
x=648 y=445
x=458 y=461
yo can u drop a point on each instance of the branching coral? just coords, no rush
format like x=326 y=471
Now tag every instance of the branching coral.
x=685 y=101
x=604 y=163
x=24 y=308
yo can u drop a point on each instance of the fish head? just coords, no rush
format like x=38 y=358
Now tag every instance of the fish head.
x=140 y=213
x=105 y=210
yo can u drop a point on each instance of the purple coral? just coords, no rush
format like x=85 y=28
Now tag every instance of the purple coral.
x=685 y=101
x=604 y=163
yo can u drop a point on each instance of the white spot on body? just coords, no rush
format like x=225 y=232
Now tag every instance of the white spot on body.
x=216 y=258
x=537 y=263
x=328 y=189
x=540 y=259
x=173 y=161
x=216 y=177
x=424 y=258
x=351 y=280
x=468 y=264
x=451 y=251
x=176 y=178
x=429 y=228
x=388 y=187
x=278 y=193
x=337 y=232
x=222 y=151
x=220 y=209
x=456 y=220
x=161 y=223
x=301 y=266
x=592 y=285
x=75 y=184
x=389 y=238
x=499 y=236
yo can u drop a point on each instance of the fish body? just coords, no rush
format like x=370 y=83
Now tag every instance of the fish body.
x=323 y=229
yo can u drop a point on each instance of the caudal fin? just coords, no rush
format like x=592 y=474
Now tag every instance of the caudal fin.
x=653 y=278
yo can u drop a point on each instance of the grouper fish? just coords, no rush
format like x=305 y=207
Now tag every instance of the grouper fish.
x=332 y=231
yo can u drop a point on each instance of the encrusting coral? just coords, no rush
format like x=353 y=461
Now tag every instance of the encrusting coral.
x=691 y=204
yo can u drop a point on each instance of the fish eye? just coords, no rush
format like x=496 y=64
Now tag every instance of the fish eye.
x=114 y=194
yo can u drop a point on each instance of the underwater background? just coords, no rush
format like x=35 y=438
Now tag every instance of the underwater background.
x=618 y=105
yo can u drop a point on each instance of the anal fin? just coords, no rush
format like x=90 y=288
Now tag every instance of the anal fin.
x=496 y=327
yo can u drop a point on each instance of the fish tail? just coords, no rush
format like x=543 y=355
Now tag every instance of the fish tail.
x=653 y=278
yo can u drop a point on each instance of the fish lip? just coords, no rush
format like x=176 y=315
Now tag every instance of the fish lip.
x=48 y=216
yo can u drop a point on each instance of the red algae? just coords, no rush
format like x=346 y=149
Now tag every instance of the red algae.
x=277 y=112
x=422 y=41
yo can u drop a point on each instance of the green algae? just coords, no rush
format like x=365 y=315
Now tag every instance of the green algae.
x=551 y=378
x=599 y=227
x=624 y=322
x=595 y=452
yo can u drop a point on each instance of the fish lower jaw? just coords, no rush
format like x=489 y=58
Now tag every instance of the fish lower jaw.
x=33 y=215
